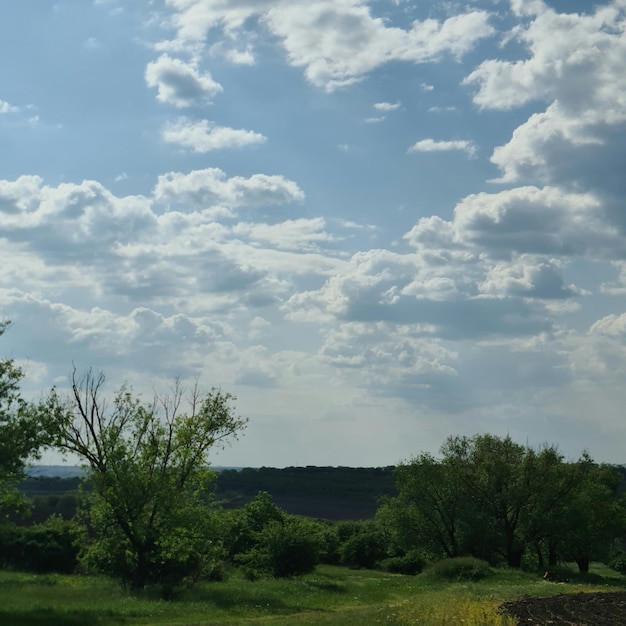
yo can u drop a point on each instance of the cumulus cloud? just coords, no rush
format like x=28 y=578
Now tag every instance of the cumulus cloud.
x=158 y=249
x=180 y=84
x=201 y=188
x=431 y=145
x=610 y=326
x=301 y=234
x=5 y=107
x=537 y=220
x=529 y=277
x=205 y=136
x=337 y=43
x=575 y=64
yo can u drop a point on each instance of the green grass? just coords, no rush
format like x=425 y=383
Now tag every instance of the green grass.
x=330 y=596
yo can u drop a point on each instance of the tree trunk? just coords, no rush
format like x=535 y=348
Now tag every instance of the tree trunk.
x=540 y=562
x=583 y=564
x=141 y=573
x=552 y=555
x=514 y=557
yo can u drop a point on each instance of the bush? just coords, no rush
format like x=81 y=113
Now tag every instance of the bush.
x=410 y=564
x=365 y=549
x=283 y=549
x=52 y=546
x=460 y=569
x=618 y=562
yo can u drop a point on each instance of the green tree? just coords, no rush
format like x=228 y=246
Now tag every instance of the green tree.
x=21 y=433
x=429 y=508
x=499 y=477
x=492 y=498
x=149 y=507
x=596 y=516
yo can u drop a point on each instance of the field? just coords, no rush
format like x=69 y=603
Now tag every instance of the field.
x=330 y=596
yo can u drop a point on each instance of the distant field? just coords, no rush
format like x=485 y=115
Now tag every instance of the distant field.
x=333 y=493
x=329 y=596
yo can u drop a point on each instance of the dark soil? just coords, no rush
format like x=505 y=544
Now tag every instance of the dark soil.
x=575 y=609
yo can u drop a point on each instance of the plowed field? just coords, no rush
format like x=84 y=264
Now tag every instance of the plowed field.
x=575 y=609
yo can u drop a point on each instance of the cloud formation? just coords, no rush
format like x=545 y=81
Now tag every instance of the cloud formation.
x=204 y=136
x=432 y=145
x=337 y=43
x=180 y=84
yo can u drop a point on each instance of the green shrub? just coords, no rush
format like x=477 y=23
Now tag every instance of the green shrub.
x=618 y=562
x=282 y=549
x=410 y=564
x=52 y=546
x=364 y=549
x=460 y=569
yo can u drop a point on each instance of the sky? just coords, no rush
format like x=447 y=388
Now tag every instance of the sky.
x=376 y=223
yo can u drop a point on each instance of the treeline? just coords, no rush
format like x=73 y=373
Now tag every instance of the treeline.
x=484 y=497
x=503 y=502
x=331 y=493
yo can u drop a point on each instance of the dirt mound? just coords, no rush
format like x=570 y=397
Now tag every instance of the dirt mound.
x=570 y=609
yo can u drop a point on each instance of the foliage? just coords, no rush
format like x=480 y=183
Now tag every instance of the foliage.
x=411 y=563
x=365 y=548
x=266 y=541
x=52 y=546
x=458 y=569
x=21 y=433
x=149 y=511
x=496 y=500
x=618 y=562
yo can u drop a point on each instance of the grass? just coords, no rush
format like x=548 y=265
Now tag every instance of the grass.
x=330 y=596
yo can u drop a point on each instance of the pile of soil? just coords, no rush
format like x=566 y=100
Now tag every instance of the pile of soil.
x=570 y=609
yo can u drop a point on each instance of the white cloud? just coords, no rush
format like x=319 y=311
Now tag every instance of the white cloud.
x=5 y=107
x=337 y=43
x=387 y=106
x=610 y=326
x=534 y=220
x=576 y=64
x=300 y=234
x=528 y=276
x=202 y=188
x=432 y=145
x=205 y=136
x=180 y=84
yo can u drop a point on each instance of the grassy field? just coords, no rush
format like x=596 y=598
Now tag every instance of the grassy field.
x=330 y=596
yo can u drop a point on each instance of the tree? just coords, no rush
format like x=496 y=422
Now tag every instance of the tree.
x=21 y=433
x=429 y=507
x=494 y=499
x=149 y=505
x=596 y=516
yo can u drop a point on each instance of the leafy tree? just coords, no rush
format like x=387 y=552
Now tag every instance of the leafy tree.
x=494 y=499
x=21 y=433
x=596 y=515
x=499 y=476
x=149 y=507
x=429 y=507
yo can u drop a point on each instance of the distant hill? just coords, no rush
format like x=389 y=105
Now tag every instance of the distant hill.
x=55 y=471
x=333 y=493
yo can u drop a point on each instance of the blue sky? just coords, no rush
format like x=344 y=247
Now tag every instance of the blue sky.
x=376 y=223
